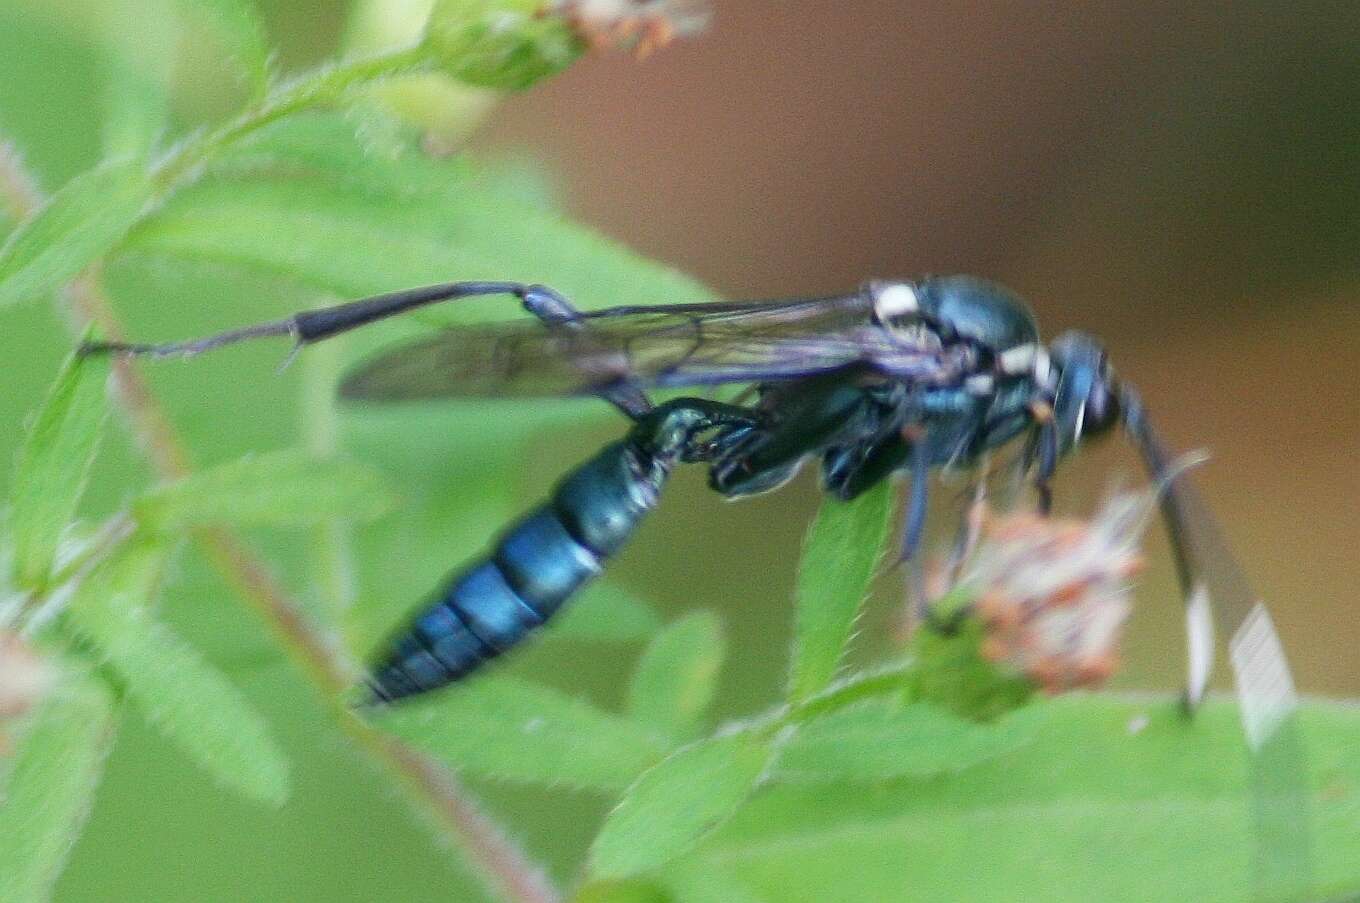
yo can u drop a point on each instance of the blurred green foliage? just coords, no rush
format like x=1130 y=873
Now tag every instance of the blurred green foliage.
x=878 y=784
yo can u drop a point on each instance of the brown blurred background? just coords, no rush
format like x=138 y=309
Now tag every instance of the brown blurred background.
x=1181 y=179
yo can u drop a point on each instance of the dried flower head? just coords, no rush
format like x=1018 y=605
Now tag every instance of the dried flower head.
x=1053 y=594
x=25 y=678
x=639 y=25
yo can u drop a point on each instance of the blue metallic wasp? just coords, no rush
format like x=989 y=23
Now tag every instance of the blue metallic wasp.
x=896 y=376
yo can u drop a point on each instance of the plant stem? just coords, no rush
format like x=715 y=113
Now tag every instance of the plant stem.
x=890 y=680
x=111 y=535
x=321 y=86
x=19 y=191
x=505 y=869
x=502 y=866
x=332 y=566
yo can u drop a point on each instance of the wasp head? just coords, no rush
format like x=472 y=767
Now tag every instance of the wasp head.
x=1086 y=397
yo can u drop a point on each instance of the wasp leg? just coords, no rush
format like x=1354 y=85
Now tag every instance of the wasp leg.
x=918 y=458
x=761 y=459
x=312 y=326
x=970 y=525
x=928 y=588
x=556 y=312
x=672 y=429
x=1045 y=450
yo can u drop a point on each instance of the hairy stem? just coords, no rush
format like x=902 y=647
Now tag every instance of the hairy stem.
x=495 y=859
x=332 y=566
x=19 y=191
x=317 y=88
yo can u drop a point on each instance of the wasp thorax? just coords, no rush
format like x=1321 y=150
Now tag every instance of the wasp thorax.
x=897 y=308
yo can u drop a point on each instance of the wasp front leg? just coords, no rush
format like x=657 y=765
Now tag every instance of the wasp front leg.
x=820 y=413
x=1042 y=451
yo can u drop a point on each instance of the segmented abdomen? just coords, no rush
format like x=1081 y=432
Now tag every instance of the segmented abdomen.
x=533 y=570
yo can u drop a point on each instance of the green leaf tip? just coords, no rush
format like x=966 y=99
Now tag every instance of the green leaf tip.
x=51 y=785
x=842 y=550
x=677 y=676
x=82 y=221
x=53 y=466
x=515 y=730
x=285 y=488
x=179 y=692
x=676 y=803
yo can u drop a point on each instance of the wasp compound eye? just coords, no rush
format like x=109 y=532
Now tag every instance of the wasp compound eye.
x=1102 y=406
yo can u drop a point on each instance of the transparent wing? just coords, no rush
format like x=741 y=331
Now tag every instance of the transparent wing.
x=1265 y=693
x=685 y=345
x=1219 y=593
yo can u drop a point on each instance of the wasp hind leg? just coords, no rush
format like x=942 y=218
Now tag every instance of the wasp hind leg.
x=556 y=312
x=311 y=326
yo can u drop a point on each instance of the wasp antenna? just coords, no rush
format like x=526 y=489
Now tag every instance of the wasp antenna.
x=1156 y=459
x=1176 y=468
x=1164 y=471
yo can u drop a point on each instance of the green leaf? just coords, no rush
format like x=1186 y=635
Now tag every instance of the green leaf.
x=842 y=549
x=53 y=465
x=179 y=693
x=952 y=673
x=605 y=614
x=287 y=488
x=507 y=728
x=677 y=802
x=709 y=883
x=51 y=787
x=138 y=70
x=677 y=675
x=1112 y=799
x=524 y=178
x=631 y=891
x=79 y=223
x=881 y=739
